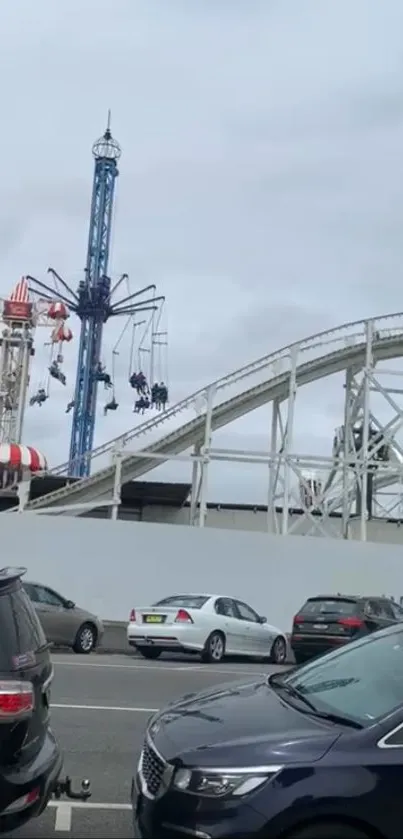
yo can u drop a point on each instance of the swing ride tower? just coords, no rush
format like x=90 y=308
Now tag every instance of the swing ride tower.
x=94 y=295
x=93 y=302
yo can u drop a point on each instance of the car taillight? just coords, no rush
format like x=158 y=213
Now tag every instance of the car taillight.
x=298 y=619
x=16 y=699
x=351 y=623
x=25 y=801
x=132 y=617
x=183 y=617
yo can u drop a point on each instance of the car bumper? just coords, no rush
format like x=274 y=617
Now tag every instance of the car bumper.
x=311 y=647
x=176 y=815
x=40 y=775
x=166 y=637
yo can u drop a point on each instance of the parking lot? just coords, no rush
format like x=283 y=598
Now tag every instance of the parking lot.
x=101 y=705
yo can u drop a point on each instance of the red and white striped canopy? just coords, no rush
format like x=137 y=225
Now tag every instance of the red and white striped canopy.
x=13 y=456
x=20 y=294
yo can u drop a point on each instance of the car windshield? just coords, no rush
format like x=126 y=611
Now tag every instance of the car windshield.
x=183 y=601
x=363 y=681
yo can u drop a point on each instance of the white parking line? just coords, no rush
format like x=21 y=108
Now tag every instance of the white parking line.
x=124 y=666
x=159 y=667
x=63 y=816
x=140 y=710
x=64 y=811
x=91 y=805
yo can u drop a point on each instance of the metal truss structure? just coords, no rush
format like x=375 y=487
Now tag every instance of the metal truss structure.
x=366 y=458
x=365 y=464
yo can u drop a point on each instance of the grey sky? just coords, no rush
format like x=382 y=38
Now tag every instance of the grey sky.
x=261 y=181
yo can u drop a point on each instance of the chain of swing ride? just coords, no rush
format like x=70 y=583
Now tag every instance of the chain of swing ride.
x=157 y=342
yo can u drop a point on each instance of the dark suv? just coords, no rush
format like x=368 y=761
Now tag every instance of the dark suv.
x=30 y=758
x=326 y=622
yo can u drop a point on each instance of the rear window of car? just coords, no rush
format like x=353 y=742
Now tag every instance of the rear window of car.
x=327 y=606
x=185 y=601
x=21 y=634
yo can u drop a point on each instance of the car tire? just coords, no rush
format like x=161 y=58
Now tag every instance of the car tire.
x=327 y=830
x=150 y=652
x=86 y=639
x=279 y=651
x=214 y=649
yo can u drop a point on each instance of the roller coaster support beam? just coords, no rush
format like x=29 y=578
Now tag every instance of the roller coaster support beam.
x=347 y=446
x=194 y=494
x=205 y=452
x=117 y=484
x=274 y=466
x=200 y=462
x=292 y=393
x=364 y=512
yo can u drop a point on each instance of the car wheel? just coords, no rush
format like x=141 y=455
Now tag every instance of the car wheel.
x=149 y=652
x=86 y=639
x=278 y=653
x=214 y=649
x=327 y=830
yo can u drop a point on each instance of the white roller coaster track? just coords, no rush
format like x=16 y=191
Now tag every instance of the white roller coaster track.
x=345 y=348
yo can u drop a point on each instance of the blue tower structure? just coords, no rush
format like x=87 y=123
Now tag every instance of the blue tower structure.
x=94 y=299
x=93 y=303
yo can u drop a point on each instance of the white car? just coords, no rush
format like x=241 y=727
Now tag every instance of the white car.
x=210 y=625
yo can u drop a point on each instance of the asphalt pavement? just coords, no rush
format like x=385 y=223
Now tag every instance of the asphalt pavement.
x=100 y=707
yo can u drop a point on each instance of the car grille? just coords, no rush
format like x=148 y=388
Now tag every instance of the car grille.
x=152 y=769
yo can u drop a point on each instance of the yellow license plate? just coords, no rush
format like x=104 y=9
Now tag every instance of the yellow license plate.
x=153 y=618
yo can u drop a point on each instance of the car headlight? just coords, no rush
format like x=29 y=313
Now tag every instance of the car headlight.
x=223 y=782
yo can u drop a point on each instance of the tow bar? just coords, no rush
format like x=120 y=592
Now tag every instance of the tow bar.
x=65 y=788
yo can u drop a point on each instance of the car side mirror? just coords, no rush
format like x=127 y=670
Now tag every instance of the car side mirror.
x=262 y=619
x=69 y=604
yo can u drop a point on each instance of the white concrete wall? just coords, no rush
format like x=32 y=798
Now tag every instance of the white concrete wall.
x=108 y=567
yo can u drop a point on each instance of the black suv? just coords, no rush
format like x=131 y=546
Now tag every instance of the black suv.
x=326 y=622
x=30 y=758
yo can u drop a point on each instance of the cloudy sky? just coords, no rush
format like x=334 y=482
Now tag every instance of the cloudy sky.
x=261 y=183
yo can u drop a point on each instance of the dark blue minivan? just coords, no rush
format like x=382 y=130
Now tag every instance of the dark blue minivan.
x=313 y=753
